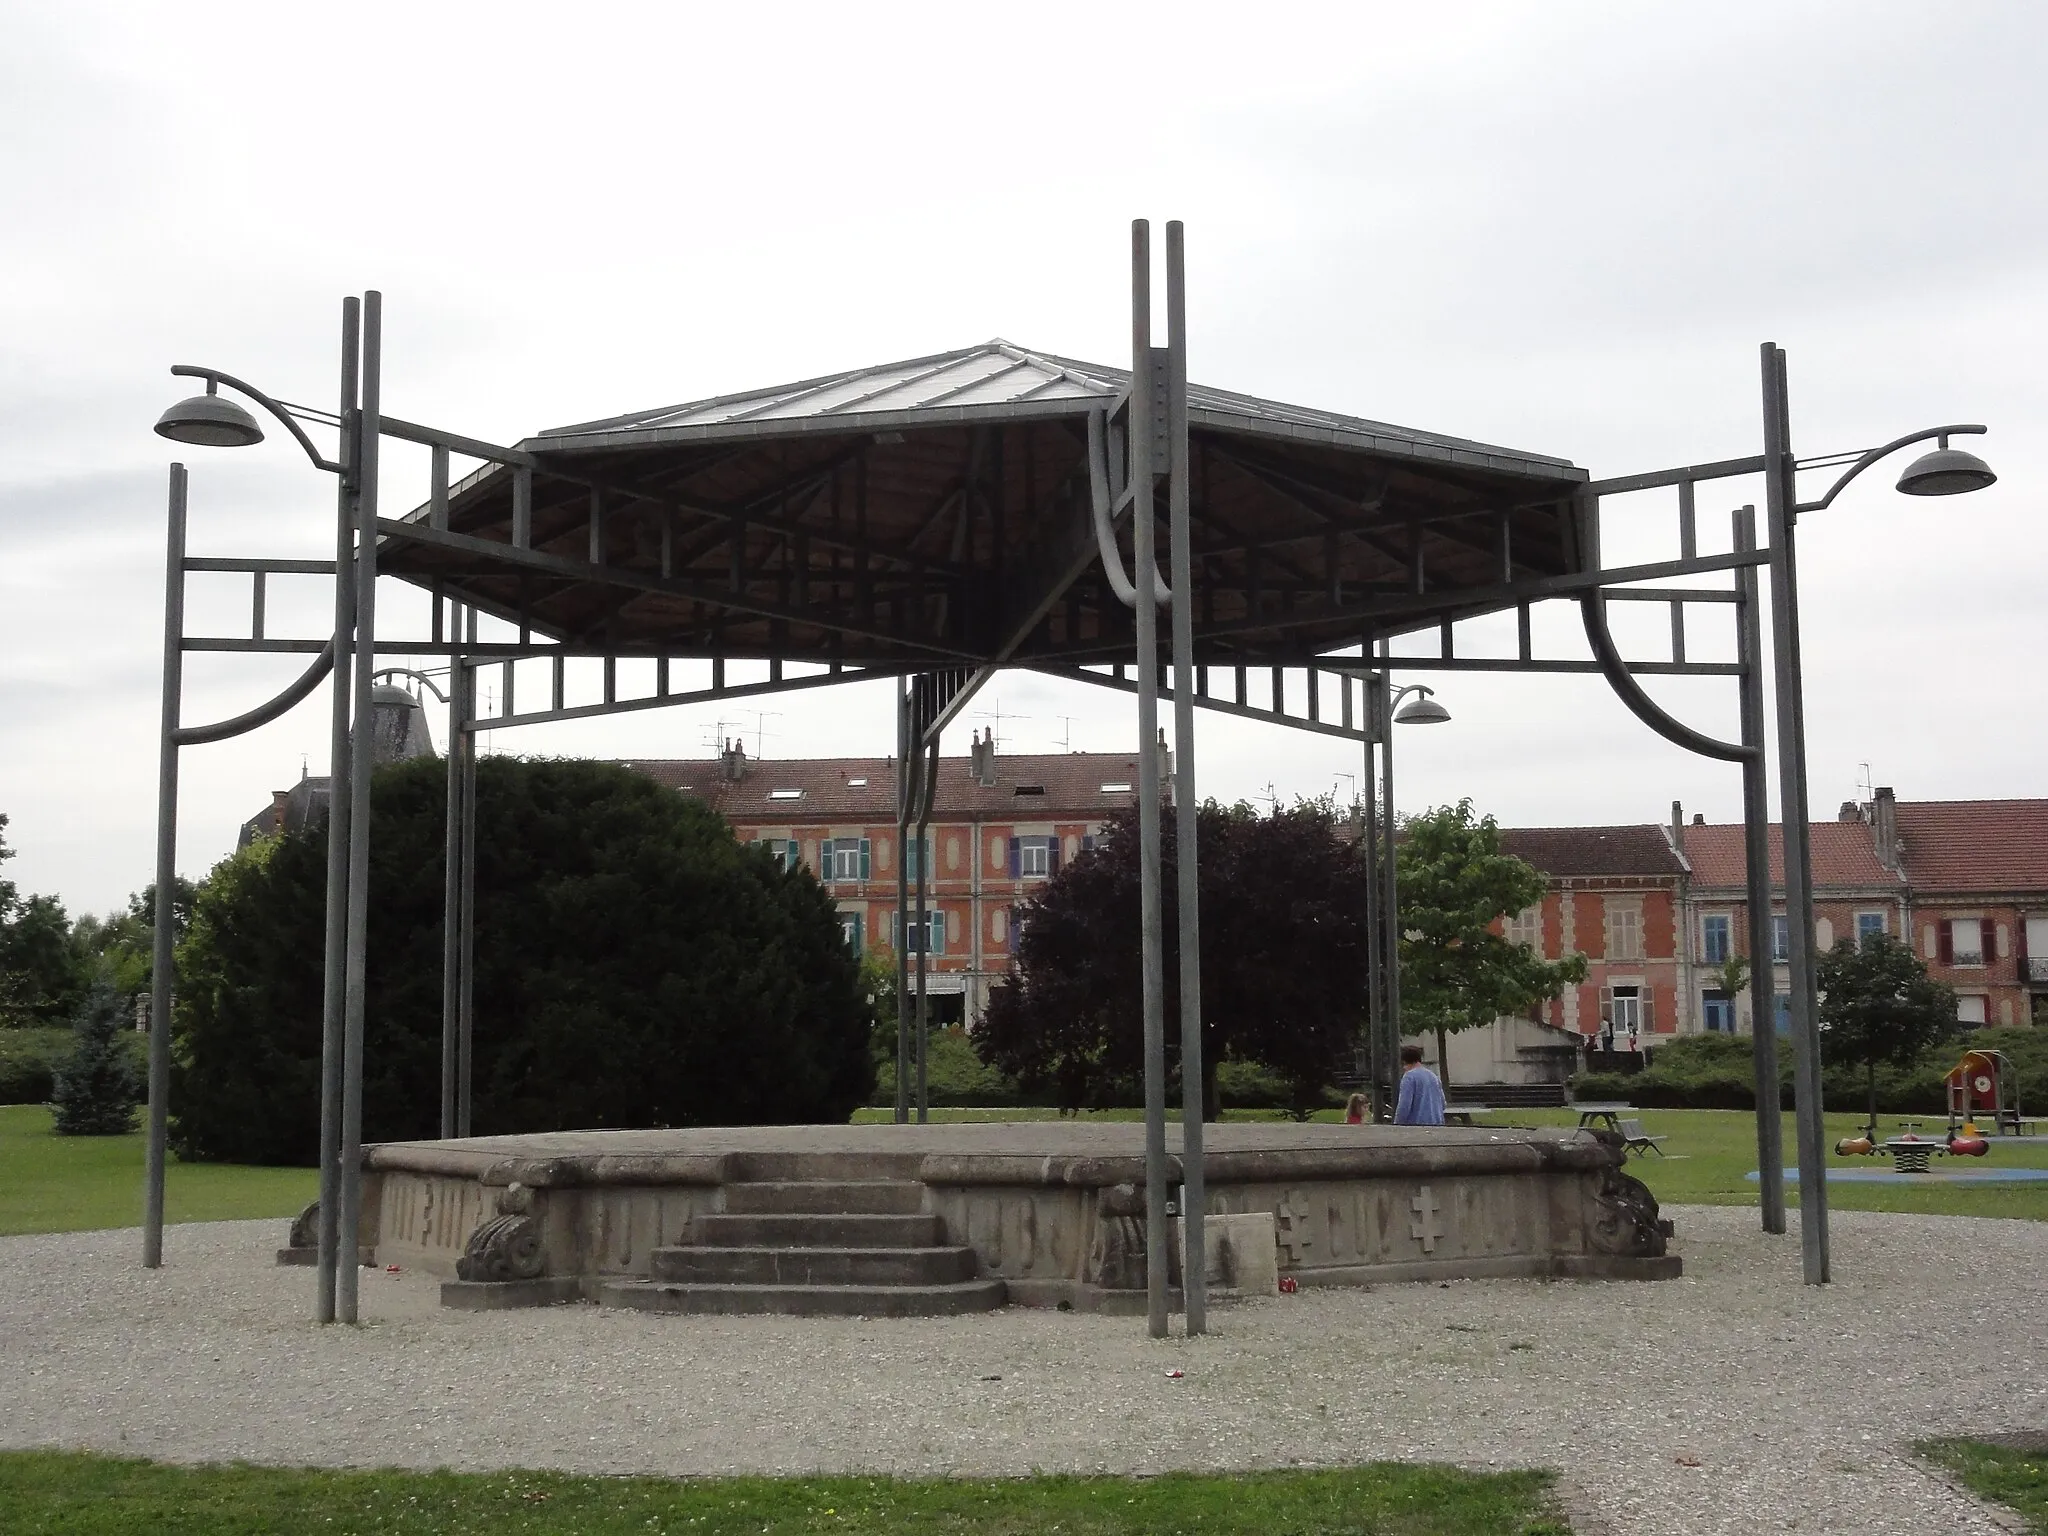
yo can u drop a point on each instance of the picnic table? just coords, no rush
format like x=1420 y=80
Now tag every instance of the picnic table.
x=1610 y=1114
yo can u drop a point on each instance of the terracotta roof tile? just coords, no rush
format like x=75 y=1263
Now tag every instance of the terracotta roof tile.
x=1843 y=856
x=1640 y=850
x=1052 y=787
x=1975 y=845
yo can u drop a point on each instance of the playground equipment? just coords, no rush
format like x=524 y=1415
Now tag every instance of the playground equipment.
x=1983 y=1080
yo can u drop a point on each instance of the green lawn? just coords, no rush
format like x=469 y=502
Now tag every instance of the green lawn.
x=83 y=1495
x=54 y=1183
x=2003 y=1474
x=1710 y=1152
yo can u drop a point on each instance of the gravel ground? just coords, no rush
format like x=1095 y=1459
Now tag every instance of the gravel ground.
x=1732 y=1400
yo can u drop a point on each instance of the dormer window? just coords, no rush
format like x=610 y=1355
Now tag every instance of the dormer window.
x=1028 y=789
x=856 y=783
x=1116 y=789
x=785 y=794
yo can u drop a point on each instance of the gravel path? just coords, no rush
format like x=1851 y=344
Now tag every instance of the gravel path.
x=1732 y=1400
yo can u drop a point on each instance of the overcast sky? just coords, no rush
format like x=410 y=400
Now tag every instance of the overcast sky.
x=1559 y=227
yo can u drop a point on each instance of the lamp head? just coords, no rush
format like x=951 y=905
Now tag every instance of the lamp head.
x=1946 y=472
x=208 y=421
x=1422 y=711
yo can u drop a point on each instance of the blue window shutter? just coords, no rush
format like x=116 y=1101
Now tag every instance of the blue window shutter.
x=866 y=857
x=1016 y=857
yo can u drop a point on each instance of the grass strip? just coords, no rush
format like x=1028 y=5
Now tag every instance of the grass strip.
x=67 y=1493
x=2015 y=1475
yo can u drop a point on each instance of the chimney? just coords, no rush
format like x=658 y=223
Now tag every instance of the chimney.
x=1678 y=823
x=1850 y=811
x=1884 y=826
x=1699 y=818
x=733 y=761
x=981 y=759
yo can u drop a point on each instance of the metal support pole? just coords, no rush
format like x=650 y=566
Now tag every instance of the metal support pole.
x=362 y=761
x=338 y=801
x=1151 y=930
x=1756 y=840
x=1377 y=1066
x=162 y=953
x=907 y=766
x=924 y=944
x=1193 y=1080
x=451 y=905
x=465 y=1036
x=1782 y=498
x=1390 y=890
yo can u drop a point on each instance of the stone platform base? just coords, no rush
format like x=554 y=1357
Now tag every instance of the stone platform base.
x=1053 y=1210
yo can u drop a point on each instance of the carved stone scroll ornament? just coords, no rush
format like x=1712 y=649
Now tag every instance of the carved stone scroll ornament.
x=508 y=1246
x=1624 y=1221
x=306 y=1228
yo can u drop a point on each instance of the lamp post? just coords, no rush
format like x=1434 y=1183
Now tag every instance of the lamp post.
x=1943 y=472
x=1384 y=987
x=212 y=421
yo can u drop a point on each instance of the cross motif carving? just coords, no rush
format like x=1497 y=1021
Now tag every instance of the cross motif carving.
x=1424 y=1228
x=1292 y=1221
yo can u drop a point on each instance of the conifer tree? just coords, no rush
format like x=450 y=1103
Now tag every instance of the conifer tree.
x=97 y=1088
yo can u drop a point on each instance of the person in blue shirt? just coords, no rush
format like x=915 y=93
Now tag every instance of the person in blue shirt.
x=1422 y=1091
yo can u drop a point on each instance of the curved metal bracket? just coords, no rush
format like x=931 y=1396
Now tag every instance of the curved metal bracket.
x=215 y=376
x=1105 y=525
x=1875 y=454
x=1593 y=607
x=263 y=714
x=421 y=678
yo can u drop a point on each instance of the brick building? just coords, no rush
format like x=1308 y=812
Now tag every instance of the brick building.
x=994 y=839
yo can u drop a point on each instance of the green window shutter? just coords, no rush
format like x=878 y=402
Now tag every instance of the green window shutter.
x=866 y=858
x=938 y=935
x=825 y=859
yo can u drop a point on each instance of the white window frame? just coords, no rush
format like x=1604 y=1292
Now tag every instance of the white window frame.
x=1034 y=858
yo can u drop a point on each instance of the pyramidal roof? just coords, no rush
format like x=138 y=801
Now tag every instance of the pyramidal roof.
x=1001 y=379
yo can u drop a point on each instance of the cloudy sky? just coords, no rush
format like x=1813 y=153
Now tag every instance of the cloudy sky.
x=1561 y=227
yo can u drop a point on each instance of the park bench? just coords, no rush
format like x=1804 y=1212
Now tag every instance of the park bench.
x=1636 y=1140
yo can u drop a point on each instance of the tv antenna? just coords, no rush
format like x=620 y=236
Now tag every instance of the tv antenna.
x=761 y=718
x=995 y=713
x=1066 y=732
x=1865 y=793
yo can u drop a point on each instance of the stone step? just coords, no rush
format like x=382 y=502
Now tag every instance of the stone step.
x=815 y=1230
x=821 y=1197
x=807 y=1300
x=814 y=1266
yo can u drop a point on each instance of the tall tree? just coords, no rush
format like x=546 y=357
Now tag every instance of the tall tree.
x=1456 y=889
x=1283 y=906
x=40 y=980
x=635 y=966
x=1879 y=1006
x=97 y=1087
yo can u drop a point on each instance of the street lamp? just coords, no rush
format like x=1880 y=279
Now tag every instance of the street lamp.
x=211 y=421
x=1423 y=710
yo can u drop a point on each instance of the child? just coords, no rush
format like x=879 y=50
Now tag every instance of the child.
x=1354 y=1110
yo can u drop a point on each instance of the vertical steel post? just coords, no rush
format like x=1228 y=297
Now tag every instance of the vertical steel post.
x=465 y=1040
x=162 y=952
x=1781 y=500
x=1144 y=463
x=1377 y=1065
x=1193 y=1079
x=1756 y=841
x=335 y=965
x=906 y=768
x=451 y=900
x=362 y=762
x=924 y=916
x=1390 y=890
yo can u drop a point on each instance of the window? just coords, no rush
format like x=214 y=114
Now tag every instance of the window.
x=1781 y=938
x=917 y=851
x=1034 y=858
x=1116 y=789
x=856 y=783
x=1525 y=928
x=845 y=858
x=1781 y=1012
x=786 y=852
x=850 y=929
x=935 y=923
x=1627 y=1010
x=1717 y=1012
x=1967 y=941
x=1868 y=925
x=1624 y=930
x=785 y=794
x=1714 y=940
x=1970 y=1010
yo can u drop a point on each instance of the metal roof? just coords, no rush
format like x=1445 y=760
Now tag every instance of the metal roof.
x=1001 y=379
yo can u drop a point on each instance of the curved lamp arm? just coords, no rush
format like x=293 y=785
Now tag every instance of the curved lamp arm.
x=1875 y=454
x=215 y=376
x=1105 y=527
x=262 y=714
x=1593 y=607
x=421 y=678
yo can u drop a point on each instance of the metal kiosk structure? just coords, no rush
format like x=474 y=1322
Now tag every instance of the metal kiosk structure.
x=935 y=521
